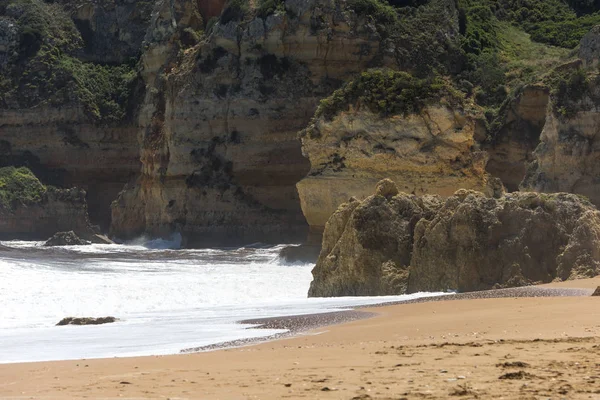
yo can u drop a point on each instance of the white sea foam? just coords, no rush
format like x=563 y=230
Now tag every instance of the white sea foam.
x=166 y=300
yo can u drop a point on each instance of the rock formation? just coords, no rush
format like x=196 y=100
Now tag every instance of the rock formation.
x=86 y=321
x=427 y=149
x=596 y=292
x=65 y=239
x=406 y=243
x=220 y=152
x=61 y=115
x=29 y=210
x=511 y=148
x=566 y=159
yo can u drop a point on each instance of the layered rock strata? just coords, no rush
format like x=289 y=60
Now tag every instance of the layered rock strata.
x=430 y=150
x=64 y=148
x=58 y=210
x=220 y=153
x=395 y=243
x=566 y=158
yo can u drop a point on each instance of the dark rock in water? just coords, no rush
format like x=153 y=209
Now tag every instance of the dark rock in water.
x=86 y=321
x=395 y=244
x=302 y=253
x=66 y=239
x=597 y=292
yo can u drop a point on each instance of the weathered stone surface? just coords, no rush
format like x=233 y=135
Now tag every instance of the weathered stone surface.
x=59 y=210
x=65 y=149
x=566 y=159
x=433 y=152
x=477 y=243
x=367 y=246
x=66 y=239
x=220 y=152
x=112 y=31
x=589 y=49
x=511 y=149
x=86 y=321
x=468 y=242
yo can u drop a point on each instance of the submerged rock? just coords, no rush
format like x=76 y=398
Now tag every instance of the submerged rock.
x=86 y=321
x=66 y=239
x=469 y=242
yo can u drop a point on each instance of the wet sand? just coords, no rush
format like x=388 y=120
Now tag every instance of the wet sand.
x=460 y=347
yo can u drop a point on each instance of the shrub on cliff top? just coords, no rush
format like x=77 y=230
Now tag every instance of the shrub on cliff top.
x=19 y=185
x=388 y=93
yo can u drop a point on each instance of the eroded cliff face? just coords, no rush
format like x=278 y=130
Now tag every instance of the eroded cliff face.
x=511 y=149
x=64 y=148
x=430 y=152
x=220 y=152
x=566 y=158
x=62 y=114
x=394 y=243
x=32 y=211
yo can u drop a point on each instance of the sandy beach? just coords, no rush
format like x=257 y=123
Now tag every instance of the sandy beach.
x=511 y=348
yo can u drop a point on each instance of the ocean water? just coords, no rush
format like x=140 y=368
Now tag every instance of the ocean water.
x=166 y=300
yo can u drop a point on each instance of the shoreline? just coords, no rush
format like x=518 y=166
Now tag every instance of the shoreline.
x=299 y=324
x=510 y=346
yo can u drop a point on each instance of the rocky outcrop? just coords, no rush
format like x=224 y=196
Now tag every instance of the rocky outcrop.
x=367 y=245
x=29 y=210
x=596 y=292
x=86 y=321
x=65 y=149
x=589 y=48
x=427 y=149
x=220 y=152
x=566 y=159
x=477 y=243
x=62 y=115
x=112 y=31
x=58 y=210
x=65 y=239
x=406 y=243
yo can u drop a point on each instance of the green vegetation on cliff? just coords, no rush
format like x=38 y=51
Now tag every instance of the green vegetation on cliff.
x=388 y=92
x=19 y=185
x=45 y=69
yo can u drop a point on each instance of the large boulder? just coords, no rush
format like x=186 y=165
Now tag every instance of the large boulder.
x=66 y=239
x=406 y=243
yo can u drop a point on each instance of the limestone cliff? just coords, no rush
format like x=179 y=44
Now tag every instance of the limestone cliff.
x=31 y=211
x=511 y=147
x=428 y=147
x=566 y=158
x=61 y=113
x=219 y=150
x=394 y=243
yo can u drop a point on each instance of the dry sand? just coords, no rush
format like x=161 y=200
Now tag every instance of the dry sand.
x=512 y=348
